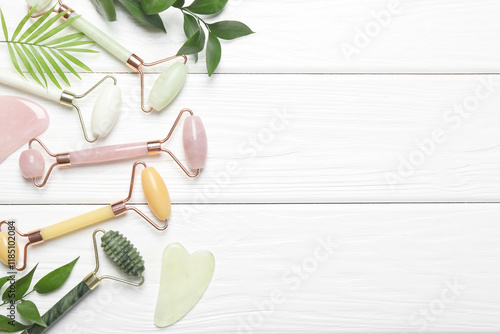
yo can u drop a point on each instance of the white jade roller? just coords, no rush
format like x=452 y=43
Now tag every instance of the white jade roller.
x=166 y=87
x=106 y=107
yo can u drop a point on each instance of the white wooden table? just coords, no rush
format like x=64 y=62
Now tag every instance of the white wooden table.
x=352 y=183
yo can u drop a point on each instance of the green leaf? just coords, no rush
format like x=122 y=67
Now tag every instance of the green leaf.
x=35 y=25
x=75 y=43
x=79 y=50
x=57 y=29
x=214 y=53
x=178 y=4
x=230 y=29
x=106 y=8
x=35 y=63
x=45 y=67
x=194 y=44
x=55 y=279
x=152 y=21
x=20 y=287
x=23 y=22
x=151 y=7
x=27 y=64
x=13 y=58
x=45 y=26
x=207 y=6
x=29 y=311
x=65 y=63
x=55 y=66
x=34 y=45
x=191 y=25
x=10 y=326
x=4 y=27
x=65 y=39
x=74 y=60
x=4 y=280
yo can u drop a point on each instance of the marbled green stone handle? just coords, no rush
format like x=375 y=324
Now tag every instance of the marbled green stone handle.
x=60 y=308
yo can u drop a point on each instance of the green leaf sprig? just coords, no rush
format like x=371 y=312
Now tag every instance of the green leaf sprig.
x=17 y=295
x=196 y=28
x=39 y=49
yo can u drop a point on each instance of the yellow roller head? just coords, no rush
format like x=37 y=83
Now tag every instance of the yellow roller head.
x=156 y=193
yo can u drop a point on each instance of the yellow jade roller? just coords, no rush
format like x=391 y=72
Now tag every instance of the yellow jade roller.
x=154 y=189
x=168 y=84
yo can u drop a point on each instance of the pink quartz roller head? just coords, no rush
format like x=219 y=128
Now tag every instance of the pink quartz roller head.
x=32 y=163
x=154 y=190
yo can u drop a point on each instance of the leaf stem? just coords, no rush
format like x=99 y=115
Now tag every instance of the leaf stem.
x=31 y=44
x=185 y=10
x=33 y=290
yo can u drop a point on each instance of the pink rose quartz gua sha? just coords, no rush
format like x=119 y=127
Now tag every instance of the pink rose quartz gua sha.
x=106 y=107
x=32 y=163
x=154 y=190
x=20 y=120
x=167 y=86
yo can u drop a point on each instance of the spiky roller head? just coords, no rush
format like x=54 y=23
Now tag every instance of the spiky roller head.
x=123 y=254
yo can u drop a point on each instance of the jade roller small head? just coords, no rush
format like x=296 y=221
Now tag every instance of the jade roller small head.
x=167 y=86
x=194 y=137
x=154 y=190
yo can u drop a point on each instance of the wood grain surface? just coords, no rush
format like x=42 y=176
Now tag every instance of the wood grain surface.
x=352 y=183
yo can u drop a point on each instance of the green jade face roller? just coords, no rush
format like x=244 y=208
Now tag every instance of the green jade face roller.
x=166 y=87
x=123 y=254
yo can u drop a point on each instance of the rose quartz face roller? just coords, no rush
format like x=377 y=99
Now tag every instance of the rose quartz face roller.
x=106 y=107
x=168 y=84
x=32 y=163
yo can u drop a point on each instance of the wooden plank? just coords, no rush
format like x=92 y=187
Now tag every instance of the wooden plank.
x=392 y=268
x=295 y=139
x=323 y=36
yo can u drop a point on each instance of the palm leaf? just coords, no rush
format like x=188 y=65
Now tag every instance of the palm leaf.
x=34 y=62
x=43 y=50
x=45 y=67
x=4 y=27
x=26 y=63
x=66 y=39
x=55 y=66
x=64 y=63
x=14 y=60
x=23 y=22
x=74 y=60
x=46 y=25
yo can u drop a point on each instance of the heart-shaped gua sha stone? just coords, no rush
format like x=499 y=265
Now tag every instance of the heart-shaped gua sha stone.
x=184 y=279
x=20 y=120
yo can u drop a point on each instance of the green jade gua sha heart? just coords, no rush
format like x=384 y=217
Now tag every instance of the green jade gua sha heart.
x=184 y=279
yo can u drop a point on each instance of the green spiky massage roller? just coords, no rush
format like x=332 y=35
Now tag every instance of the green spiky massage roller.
x=123 y=254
